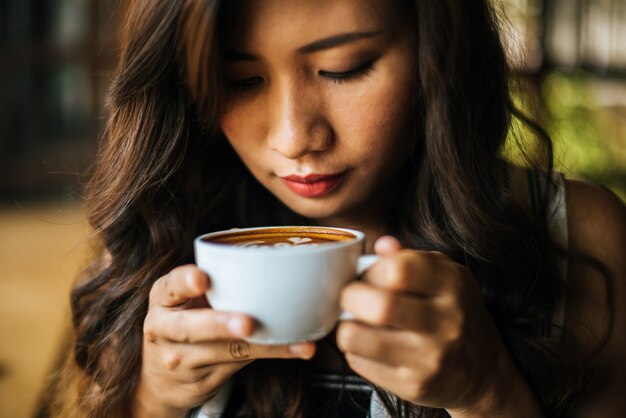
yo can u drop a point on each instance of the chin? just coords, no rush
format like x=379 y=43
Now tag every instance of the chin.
x=318 y=209
x=313 y=212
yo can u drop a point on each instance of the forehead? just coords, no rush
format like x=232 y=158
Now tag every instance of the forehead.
x=259 y=22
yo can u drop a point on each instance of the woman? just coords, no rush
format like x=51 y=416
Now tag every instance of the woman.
x=388 y=117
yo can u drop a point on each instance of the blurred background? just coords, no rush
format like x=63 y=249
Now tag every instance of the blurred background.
x=570 y=56
x=56 y=60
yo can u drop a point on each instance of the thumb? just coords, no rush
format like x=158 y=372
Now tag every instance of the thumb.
x=387 y=245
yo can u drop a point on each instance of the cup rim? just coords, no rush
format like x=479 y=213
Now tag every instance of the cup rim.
x=359 y=237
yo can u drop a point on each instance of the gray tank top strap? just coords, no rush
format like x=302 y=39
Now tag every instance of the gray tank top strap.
x=553 y=192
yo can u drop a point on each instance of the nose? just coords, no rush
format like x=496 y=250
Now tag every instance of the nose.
x=297 y=124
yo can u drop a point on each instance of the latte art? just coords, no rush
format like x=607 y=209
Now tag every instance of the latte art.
x=299 y=240
x=289 y=242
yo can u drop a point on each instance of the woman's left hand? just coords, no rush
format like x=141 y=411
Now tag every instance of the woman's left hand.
x=421 y=330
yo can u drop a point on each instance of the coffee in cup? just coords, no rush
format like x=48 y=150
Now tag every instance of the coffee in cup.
x=281 y=237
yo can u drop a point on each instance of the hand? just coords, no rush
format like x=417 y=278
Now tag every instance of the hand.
x=421 y=329
x=190 y=350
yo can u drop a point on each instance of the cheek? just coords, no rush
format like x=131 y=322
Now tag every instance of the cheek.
x=240 y=130
x=230 y=124
x=242 y=119
x=379 y=118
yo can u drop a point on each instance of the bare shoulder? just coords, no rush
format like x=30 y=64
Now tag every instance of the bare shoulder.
x=596 y=288
x=596 y=282
x=597 y=221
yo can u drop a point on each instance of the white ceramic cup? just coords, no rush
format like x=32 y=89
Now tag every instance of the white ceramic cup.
x=292 y=288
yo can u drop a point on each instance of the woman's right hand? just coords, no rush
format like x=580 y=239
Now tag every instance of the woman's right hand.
x=191 y=350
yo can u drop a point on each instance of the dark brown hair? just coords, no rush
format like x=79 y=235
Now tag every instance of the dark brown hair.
x=164 y=173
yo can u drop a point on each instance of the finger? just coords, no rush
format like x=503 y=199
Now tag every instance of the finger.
x=193 y=356
x=191 y=359
x=383 y=345
x=381 y=307
x=303 y=350
x=180 y=285
x=222 y=332
x=197 y=325
x=387 y=245
x=415 y=272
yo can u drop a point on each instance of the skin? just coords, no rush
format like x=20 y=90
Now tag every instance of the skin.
x=421 y=329
x=301 y=117
x=190 y=350
x=597 y=224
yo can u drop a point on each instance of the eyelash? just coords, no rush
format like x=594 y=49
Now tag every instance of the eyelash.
x=335 y=77
x=346 y=76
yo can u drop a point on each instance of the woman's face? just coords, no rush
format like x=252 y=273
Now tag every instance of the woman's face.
x=318 y=100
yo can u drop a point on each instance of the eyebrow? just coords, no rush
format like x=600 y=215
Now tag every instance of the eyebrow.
x=319 y=45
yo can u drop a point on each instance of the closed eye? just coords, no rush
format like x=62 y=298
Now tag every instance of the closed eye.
x=344 y=76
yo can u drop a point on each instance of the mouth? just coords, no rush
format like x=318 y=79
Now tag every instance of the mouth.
x=313 y=185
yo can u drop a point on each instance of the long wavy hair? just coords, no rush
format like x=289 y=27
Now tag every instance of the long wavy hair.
x=165 y=173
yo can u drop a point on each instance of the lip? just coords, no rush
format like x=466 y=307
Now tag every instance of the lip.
x=313 y=185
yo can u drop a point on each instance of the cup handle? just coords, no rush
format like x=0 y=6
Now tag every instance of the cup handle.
x=365 y=262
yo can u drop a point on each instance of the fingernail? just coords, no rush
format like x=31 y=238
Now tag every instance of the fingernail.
x=302 y=350
x=237 y=326
x=191 y=282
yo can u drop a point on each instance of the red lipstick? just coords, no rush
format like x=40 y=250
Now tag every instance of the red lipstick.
x=313 y=185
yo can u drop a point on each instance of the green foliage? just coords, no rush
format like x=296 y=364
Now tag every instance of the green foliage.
x=586 y=119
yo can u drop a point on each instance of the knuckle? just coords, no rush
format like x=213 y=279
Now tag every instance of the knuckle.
x=399 y=272
x=179 y=330
x=346 y=292
x=172 y=360
x=239 y=349
x=346 y=336
x=455 y=328
x=437 y=361
x=435 y=367
x=384 y=310
x=149 y=331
